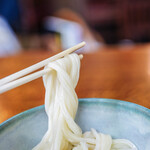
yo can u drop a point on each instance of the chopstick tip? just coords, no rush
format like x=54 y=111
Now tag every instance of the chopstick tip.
x=83 y=43
x=81 y=56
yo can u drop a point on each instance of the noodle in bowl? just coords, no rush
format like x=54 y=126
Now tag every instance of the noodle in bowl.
x=131 y=122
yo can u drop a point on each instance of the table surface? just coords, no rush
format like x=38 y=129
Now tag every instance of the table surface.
x=115 y=72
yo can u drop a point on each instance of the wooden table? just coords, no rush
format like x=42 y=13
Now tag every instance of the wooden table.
x=112 y=72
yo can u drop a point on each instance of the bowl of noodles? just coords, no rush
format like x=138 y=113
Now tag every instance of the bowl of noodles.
x=120 y=119
x=68 y=123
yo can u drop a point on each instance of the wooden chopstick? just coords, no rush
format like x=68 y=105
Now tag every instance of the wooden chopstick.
x=11 y=85
x=40 y=64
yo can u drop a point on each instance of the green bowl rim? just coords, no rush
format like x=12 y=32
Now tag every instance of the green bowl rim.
x=126 y=104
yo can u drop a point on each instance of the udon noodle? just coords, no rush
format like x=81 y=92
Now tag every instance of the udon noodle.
x=61 y=104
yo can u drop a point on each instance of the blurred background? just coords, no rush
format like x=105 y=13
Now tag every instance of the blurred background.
x=56 y=25
x=116 y=60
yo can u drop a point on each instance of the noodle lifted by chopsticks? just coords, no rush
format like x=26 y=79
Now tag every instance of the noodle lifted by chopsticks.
x=61 y=104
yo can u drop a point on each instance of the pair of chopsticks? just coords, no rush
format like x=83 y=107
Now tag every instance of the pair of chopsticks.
x=17 y=79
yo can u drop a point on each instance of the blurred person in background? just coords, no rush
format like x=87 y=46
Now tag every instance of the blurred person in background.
x=10 y=10
x=114 y=21
x=9 y=14
x=64 y=30
x=28 y=19
x=9 y=43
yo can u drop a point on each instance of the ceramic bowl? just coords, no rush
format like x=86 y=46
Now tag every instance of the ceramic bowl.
x=120 y=119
